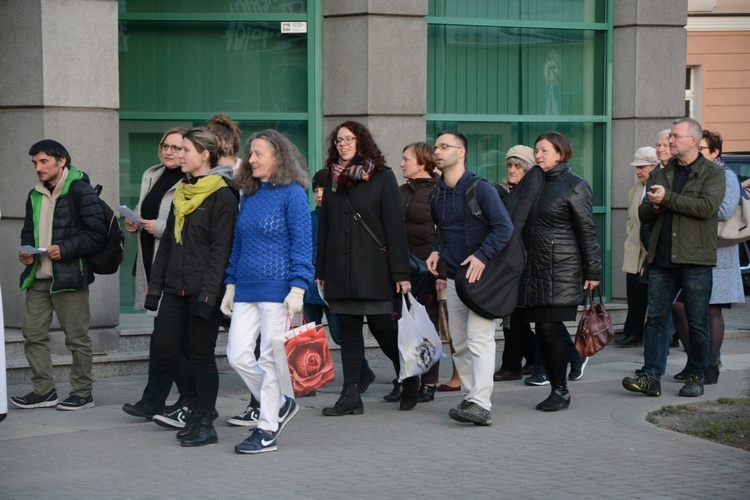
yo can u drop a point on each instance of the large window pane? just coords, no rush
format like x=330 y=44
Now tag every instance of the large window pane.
x=488 y=143
x=139 y=141
x=509 y=71
x=213 y=7
x=581 y=11
x=240 y=67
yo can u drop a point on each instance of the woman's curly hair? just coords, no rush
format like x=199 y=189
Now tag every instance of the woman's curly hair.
x=366 y=147
x=290 y=167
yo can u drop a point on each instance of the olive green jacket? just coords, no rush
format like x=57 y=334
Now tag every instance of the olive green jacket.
x=694 y=223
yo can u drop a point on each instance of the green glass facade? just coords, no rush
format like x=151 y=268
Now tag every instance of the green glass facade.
x=183 y=61
x=499 y=71
x=502 y=72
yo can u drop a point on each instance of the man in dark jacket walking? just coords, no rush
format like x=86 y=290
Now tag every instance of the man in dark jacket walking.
x=464 y=240
x=681 y=204
x=57 y=274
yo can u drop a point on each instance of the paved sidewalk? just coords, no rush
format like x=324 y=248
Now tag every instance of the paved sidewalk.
x=601 y=447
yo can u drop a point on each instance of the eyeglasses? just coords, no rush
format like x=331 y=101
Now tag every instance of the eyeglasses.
x=704 y=147
x=678 y=136
x=168 y=147
x=443 y=147
x=345 y=140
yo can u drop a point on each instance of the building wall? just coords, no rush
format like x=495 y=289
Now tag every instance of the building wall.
x=648 y=93
x=58 y=80
x=722 y=59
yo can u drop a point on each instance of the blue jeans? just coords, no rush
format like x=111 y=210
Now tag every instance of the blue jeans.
x=663 y=285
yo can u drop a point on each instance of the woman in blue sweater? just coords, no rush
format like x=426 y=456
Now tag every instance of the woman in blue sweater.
x=269 y=270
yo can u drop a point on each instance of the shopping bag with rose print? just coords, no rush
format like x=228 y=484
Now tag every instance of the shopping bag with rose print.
x=303 y=359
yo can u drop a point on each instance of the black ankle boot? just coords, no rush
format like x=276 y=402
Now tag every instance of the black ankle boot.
x=366 y=377
x=711 y=375
x=427 y=393
x=558 y=400
x=189 y=425
x=395 y=394
x=349 y=403
x=410 y=393
x=203 y=430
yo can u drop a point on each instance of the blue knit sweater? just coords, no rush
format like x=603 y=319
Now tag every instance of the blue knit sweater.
x=272 y=250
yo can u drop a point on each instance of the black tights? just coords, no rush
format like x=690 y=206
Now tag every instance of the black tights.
x=385 y=330
x=715 y=324
x=554 y=351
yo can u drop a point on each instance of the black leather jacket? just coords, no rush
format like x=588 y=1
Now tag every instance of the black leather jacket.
x=560 y=239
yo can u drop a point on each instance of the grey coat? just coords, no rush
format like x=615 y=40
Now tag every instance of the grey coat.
x=150 y=177
x=727 y=280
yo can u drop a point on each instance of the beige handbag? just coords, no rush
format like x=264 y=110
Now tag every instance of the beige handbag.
x=736 y=229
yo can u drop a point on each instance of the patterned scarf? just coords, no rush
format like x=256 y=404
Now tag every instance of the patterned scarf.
x=188 y=197
x=351 y=172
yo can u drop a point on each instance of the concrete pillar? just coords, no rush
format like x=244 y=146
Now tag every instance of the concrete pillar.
x=375 y=70
x=58 y=80
x=648 y=93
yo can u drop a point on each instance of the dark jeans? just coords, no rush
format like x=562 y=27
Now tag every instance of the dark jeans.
x=159 y=382
x=663 y=284
x=520 y=342
x=196 y=376
x=637 y=294
x=385 y=330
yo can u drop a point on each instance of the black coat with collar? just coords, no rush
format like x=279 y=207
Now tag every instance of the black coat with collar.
x=560 y=239
x=349 y=260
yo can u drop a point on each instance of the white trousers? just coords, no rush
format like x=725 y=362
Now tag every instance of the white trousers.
x=474 y=342
x=260 y=376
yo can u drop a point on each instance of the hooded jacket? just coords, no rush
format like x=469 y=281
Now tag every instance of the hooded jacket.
x=560 y=240
x=459 y=233
x=71 y=272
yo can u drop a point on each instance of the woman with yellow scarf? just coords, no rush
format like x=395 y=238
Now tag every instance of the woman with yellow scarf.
x=188 y=275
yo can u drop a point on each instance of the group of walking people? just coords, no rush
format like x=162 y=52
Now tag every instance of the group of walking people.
x=227 y=238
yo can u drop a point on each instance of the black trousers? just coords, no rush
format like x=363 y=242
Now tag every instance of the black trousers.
x=159 y=383
x=520 y=342
x=385 y=330
x=637 y=294
x=196 y=375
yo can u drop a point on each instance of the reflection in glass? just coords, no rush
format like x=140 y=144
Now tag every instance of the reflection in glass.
x=509 y=71
x=210 y=67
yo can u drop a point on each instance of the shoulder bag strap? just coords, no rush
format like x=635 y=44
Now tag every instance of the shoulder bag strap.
x=359 y=219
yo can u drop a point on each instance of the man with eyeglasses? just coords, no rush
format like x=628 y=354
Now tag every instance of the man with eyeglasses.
x=56 y=277
x=681 y=204
x=464 y=240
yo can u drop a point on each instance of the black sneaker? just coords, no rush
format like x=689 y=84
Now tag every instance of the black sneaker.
x=577 y=367
x=468 y=411
x=31 y=400
x=644 y=384
x=75 y=403
x=139 y=409
x=246 y=418
x=537 y=379
x=693 y=387
x=175 y=420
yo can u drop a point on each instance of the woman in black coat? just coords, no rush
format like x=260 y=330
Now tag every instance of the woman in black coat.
x=563 y=257
x=360 y=277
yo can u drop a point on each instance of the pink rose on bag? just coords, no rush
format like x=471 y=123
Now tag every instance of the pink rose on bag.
x=310 y=363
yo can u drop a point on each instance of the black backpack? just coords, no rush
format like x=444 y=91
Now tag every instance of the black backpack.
x=108 y=258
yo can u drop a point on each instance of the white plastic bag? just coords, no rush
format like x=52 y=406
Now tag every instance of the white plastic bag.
x=419 y=345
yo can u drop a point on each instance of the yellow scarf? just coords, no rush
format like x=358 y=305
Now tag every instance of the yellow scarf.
x=188 y=197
